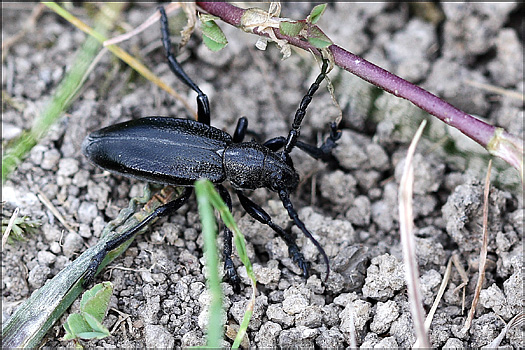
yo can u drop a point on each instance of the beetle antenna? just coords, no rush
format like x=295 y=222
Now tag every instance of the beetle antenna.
x=285 y=198
x=293 y=135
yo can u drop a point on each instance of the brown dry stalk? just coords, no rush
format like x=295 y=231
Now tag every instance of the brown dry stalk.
x=408 y=243
x=482 y=253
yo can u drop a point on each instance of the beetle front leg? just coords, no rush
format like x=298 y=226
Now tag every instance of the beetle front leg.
x=323 y=152
x=260 y=215
x=292 y=213
x=229 y=268
x=163 y=210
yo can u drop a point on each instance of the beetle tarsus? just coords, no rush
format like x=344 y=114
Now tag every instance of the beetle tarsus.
x=323 y=152
x=89 y=276
x=230 y=274
x=263 y=217
x=299 y=259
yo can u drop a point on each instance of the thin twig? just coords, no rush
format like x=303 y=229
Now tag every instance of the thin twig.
x=154 y=18
x=122 y=54
x=512 y=94
x=28 y=27
x=122 y=317
x=42 y=197
x=84 y=77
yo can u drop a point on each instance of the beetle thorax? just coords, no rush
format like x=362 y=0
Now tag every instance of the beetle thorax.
x=249 y=165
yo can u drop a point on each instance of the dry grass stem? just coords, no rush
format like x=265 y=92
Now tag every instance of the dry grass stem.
x=516 y=321
x=491 y=88
x=353 y=336
x=464 y=279
x=439 y=295
x=408 y=243
x=482 y=253
x=42 y=197
x=154 y=18
x=5 y=236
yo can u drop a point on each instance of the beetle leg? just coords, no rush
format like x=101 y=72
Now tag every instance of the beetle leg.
x=163 y=210
x=276 y=143
x=240 y=130
x=229 y=268
x=260 y=215
x=324 y=152
x=203 y=105
x=285 y=198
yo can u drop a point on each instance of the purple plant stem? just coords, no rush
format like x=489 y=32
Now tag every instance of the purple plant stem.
x=476 y=129
x=506 y=146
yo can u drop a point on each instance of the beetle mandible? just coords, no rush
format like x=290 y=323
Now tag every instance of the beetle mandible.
x=194 y=149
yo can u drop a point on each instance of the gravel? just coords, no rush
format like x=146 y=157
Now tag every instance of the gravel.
x=350 y=207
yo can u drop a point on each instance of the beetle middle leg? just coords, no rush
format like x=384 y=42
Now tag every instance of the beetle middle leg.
x=260 y=215
x=240 y=130
x=203 y=105
x=163 y=210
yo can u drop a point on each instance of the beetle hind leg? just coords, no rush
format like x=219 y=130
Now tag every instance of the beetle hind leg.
x=110 y=245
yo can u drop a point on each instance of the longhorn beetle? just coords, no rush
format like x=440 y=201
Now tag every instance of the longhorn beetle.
x=178 y=152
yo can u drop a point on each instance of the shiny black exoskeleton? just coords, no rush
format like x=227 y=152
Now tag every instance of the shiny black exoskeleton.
x=178 y=152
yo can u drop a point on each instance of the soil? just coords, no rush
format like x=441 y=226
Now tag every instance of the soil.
x=351 y=207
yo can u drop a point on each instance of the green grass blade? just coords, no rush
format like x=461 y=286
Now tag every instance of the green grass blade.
x=209 y=230
x=240 y=245
x=62 y=98
x=228 y=220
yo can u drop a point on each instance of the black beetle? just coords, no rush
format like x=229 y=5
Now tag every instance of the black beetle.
x=178 y=152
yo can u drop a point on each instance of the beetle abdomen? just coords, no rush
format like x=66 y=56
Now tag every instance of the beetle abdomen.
x=160 y=149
